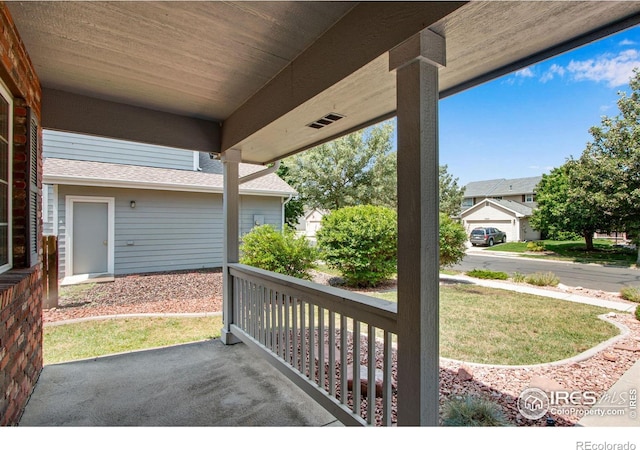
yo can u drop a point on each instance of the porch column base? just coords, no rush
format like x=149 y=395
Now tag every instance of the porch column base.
x=228 y=338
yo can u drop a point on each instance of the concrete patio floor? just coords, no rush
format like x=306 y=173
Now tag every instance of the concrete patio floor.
x=198 y=384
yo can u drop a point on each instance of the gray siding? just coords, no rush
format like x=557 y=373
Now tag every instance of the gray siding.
x=167 y=230
x=81 y=147
x=48 y=227
x=268 y=207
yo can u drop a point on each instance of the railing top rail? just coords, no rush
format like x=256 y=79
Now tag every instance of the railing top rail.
x=374 y=311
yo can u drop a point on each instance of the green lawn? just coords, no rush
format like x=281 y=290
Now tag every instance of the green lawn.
x=102 y=337
x=604 y=251
x=494 y=326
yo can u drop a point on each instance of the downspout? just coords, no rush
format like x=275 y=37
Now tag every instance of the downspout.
x=284 y=203
x=260 y=173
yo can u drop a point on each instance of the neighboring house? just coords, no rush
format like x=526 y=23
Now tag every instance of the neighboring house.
x=160 y=211
x=310 y=223
x=503 y=204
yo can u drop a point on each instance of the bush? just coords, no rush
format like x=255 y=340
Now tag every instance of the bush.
x=360 y=242
x=535 y=246
x=638 y=312
x=472 y=411
x=488 y=274
x=543 y=279
x=518 y=277
x=630 y=293
x=282 y=252
x=453 y=238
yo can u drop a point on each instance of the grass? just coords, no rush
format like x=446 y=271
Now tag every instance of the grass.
x=102 y=337
x=604 y=251
x=630 y=293
x=477 y=324
x=495 y=326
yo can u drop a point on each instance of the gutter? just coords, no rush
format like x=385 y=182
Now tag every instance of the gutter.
x=284 y=202
x=260 y=173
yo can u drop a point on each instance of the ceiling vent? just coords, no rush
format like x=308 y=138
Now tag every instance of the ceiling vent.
x=326 y=120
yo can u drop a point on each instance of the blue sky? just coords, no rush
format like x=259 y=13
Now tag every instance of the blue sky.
x=530 y=121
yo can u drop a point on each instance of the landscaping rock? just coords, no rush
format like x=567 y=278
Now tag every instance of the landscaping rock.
x=364 y=380
x=610 y=357
x=465 y=373
x=546 y=384
x=628 y=348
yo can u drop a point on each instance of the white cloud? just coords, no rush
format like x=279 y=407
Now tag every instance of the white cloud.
x=615 y=70
x=525 y=73
x=554 y=70
x=627 y=42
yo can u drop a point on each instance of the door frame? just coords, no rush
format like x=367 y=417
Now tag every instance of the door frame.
x=69 y=202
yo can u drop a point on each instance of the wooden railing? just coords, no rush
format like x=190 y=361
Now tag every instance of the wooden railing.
x=49 y=272
x=316 y=335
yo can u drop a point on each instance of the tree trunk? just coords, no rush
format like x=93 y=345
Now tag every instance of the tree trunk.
x=588 y=238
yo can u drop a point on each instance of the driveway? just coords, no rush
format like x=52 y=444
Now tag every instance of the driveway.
x=591 y=276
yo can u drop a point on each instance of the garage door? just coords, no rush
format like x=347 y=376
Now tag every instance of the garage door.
x=503 y=225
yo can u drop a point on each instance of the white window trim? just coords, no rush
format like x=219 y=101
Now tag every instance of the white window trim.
x=9 y=98
x=45 y=203
x=528 y=198
x=69 y=201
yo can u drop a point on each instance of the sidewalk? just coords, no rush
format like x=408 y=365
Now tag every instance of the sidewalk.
x=528 y=289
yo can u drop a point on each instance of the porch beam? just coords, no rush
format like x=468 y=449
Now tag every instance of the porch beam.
x=416 y=62
x=231 y=252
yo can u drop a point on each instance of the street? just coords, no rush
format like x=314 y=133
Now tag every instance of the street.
x=591 y=276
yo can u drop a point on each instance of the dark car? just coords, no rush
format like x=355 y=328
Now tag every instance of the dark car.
x=487 y=236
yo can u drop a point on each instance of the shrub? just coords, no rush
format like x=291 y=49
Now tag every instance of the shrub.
x=543 y=279
x=630 y=293
x=488 y=274
x=518 y=277
x=453 y=238
x=282 y=252
x=472 y=411
x=638 y=312
x=535 y=246
x=360 y=242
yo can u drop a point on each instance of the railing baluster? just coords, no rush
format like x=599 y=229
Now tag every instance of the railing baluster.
x=321 y=371
x=332 y=354
x=287 y=327
x=371 y=374
x=303 y=338
x=253 y=300
x=356 y=367
x=280 y=305
x=312 y=340
x=386 y=381
x=343 y=359
x=296 y=346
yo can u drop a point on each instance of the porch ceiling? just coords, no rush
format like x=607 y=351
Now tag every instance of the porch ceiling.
x=265 y=70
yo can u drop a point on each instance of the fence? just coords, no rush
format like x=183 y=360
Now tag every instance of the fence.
x=50 y=271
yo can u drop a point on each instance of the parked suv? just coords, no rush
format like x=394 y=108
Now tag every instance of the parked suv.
x=487 y=236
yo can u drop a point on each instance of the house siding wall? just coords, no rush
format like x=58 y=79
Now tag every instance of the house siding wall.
x=21 y=287
x=166 y=230
x=48 y=208
x=81 y=147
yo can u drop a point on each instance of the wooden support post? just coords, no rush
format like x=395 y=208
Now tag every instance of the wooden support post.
x=231 y=253
x=416 y=63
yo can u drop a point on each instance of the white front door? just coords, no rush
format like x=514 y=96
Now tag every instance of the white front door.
x=90 y=235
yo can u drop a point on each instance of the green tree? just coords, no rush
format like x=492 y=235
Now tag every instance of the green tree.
x=451 y=194
x=453 y=238
x=356 y=169
x=565 y=207
x=612 y=164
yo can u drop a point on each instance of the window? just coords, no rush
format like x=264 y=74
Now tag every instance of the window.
x=6 y=158
x=529 y=198
x=467 y=202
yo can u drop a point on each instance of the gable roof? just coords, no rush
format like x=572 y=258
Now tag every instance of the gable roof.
x=502 y=187
x=210 y=179
x=518 y=209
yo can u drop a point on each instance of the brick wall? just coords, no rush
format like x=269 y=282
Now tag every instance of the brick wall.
x=21 y=287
